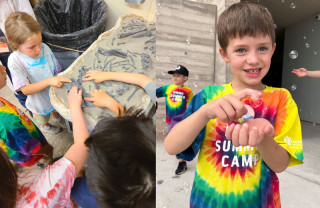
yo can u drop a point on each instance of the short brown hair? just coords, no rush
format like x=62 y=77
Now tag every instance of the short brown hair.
x=9 y=182
x=19 y=27
x=244 y=18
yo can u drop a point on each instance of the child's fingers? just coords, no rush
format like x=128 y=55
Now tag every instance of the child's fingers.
x=253 y=137
x=229 y=131
x=247 y=92
x=80 y=93
x=243 y=135
x=65 y=79
x=89 y=98
x=238 y=108
x=235 y=135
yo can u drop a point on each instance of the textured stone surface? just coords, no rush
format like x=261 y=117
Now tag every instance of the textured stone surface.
x=127 y=47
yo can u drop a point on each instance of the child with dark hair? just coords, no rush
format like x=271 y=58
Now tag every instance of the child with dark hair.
x=49 y=187
x=121 y=161
x=245 y=132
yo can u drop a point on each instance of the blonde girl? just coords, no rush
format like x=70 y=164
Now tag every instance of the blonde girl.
x=33 y=68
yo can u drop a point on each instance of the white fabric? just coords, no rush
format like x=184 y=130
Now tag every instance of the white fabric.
x=50 y=187
x=9 y=6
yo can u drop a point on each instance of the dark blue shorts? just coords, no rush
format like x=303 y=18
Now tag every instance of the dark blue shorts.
x=81 y=194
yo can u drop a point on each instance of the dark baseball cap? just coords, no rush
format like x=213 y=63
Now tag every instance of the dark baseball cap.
x=180 y=70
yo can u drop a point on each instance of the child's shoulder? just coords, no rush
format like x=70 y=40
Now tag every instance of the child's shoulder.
x=276 y=91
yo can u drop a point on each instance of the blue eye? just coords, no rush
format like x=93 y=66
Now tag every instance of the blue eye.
x=241 y=50
x=263 y=48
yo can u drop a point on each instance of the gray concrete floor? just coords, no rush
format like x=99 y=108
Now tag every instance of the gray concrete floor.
x=299 y=185
x=60 y=142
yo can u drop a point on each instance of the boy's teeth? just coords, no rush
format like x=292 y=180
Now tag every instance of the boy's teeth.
x=254 y=71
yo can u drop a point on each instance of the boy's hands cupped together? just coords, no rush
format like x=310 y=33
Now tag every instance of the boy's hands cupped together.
x=230 y=107
x=58 y=81
x=251 y=132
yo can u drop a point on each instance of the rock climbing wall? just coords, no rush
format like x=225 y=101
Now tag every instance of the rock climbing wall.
x=128 y=47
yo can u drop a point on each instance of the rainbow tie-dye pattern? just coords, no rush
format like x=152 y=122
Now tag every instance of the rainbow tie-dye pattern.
x=19 y=137
x=177 y=99
x=227 y=176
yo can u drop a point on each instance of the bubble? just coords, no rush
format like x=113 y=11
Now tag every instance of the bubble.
x=158 y=13
x=292 y=5
x=300 y=109
x=314 y=124
x=312 y=30
x=211 y=31
x=275 y=26
x=159 y=79
x=307 y=45
x=315 y=52
x=195 y=85
x=304 y=37
x=293 y=54
x=255 y=101
x=164 y=120
x=188 y=40
x=282 y=1
x=293 y=87
x=163 y=73
x=159 y=4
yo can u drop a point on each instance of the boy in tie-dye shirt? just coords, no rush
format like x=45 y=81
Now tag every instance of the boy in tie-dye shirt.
x=245 y=132
x=19 y=137
x=177 y=97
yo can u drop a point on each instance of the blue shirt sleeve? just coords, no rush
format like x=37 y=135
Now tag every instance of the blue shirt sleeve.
x=197 y=101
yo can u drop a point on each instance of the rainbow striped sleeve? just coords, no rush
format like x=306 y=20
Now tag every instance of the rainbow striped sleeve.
x=19 y=137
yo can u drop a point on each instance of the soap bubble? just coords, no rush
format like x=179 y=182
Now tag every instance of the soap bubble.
x=164 y=120
x=314 y=124
x=255 y=101
x=293 y=54
x=282 y=1
x=188 y=40
x=163 y=73
x=307 y=45
x=195 y=85
x=304 y=37
x=293 y=87
x=312 y=30
x=300 y=109
x=292 y=5
x=211 y=31
x=315 y=52
x=275 y=26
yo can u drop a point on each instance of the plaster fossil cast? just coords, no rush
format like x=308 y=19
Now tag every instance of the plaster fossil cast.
x=128 y=47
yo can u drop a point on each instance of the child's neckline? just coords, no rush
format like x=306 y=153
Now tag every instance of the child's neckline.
x=265 y=87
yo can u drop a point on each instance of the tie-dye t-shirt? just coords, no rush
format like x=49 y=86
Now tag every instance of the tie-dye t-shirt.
x=26 y=70
x=177 y=99
x=19 y=137
x=49 y=187
x=228 y=176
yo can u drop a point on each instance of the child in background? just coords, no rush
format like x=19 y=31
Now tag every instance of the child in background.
x=177 y=98
x=302 y=72
x=238 y=159
x=19 y=137
x=33 y=68
x=49 y=187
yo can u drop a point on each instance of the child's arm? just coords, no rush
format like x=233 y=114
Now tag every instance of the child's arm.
x=132 y=78
x=227 y=108
x=102 y=99
x=78 y=152
x=39 y=86
x=259 y=133
x=302 y=72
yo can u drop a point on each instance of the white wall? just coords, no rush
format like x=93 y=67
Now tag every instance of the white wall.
x=117 y=8
x=307 y=92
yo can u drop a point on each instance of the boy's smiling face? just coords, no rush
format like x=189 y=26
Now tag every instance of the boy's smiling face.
x=250 y=59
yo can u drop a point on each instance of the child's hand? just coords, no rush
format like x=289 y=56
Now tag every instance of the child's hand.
x=251 y=132
x=75 y=97
x=96 y=76
x=99 y=98
x=58 y=81
x=229 y=107
x=301 y=72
